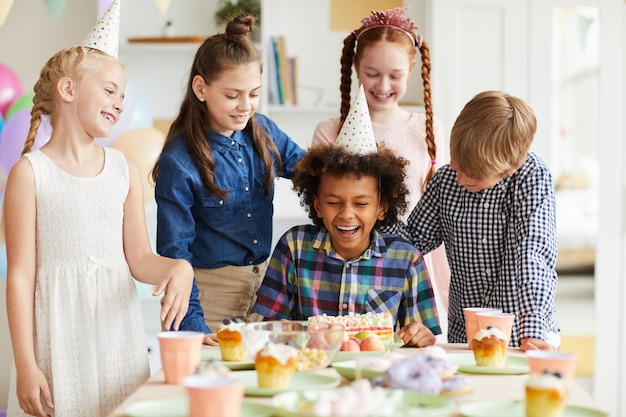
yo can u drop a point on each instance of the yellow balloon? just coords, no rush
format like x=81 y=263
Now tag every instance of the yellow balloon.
x=143 y=146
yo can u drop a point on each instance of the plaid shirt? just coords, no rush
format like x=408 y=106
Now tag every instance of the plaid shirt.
x=501 y=246
x=306 y=277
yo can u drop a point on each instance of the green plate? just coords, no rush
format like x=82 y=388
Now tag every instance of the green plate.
x=515 y=365
x=179 y=407
x=517 y=409
x=347 y=369
x=294 y=404
x=214 y=354
x=342 y=356
x=299 y=381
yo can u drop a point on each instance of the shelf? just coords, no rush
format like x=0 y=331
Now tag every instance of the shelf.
x=168 y=39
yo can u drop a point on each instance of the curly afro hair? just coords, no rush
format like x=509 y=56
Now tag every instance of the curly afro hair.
x=335 y=160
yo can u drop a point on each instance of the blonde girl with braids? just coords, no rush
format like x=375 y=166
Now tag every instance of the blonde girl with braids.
x=76 y=237
x=215 y=179
x=382 y=52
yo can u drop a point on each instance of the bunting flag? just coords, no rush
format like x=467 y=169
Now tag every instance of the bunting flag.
x=55 y=7
x=163 y=5
x=5 y=7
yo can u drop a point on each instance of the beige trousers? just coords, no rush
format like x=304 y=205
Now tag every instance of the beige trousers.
x=229 y=291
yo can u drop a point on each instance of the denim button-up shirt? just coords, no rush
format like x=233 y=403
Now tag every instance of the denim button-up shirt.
x=208 y=231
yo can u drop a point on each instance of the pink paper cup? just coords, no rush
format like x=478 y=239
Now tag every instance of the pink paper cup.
x=180 y=354
x=214 y=396
x=471 y=327
x=501 y=321
x=541 y=361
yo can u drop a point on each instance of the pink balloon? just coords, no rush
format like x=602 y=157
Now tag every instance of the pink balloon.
x=14 y=134
x=10 y=88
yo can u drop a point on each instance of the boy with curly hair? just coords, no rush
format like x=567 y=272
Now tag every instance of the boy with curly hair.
x=341 y=264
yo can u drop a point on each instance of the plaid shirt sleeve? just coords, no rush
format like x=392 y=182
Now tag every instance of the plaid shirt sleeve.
x=534 y=222
x=419 y=304
x=276 y=296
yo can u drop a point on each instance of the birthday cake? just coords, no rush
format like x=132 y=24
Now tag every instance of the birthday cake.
x=379 y=323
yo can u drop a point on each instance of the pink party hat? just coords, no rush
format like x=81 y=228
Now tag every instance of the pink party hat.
x=105 y=34
x=357 y=134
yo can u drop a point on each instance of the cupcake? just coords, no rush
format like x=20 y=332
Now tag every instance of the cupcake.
x=545 y=395
x=275 y=365
x=229 y=338
x=489 y=347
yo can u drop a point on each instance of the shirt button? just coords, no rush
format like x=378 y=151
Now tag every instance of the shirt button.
x=247 y=188
x=488 y=271
x=249 y=215
x=345 y=305
x=255 y=241
x=484 y=240
x=232 y=142
x=486 y=205
x=239 y=160
x=486 y=299
x=221 y=202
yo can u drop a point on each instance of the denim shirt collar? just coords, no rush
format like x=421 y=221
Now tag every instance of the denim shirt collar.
x=223 y=143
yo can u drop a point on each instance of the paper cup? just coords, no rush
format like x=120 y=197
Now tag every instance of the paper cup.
x=213 y=396
x=471 y=327
x=501 y=321
x=180 y=354
x=540 y=361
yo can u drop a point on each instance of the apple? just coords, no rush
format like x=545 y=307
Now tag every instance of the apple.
x=372 y=344
x=365 y=333
x=317 y=341
x=351 y=345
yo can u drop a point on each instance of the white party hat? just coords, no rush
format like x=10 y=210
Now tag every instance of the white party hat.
x=357 y=134
x=105 y=34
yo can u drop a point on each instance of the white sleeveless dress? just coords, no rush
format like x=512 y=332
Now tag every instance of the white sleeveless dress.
x=89 y=336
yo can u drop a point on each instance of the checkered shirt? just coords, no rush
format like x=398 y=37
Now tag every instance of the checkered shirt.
x=501 y=246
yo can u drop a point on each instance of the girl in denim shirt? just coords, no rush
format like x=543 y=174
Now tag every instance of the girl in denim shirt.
x=215 y=179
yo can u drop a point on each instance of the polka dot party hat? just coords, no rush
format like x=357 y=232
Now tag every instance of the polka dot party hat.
x=105 y=34
x=357 y=134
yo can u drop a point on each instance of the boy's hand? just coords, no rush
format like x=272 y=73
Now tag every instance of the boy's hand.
x=417 y=335
x=535 y=344
x=177 y=285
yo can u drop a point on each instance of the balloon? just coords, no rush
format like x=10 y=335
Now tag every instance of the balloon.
x=12 y=138
x=10 y=88
x=24 y=102
x=142 y=115
x=3 y=262
x=14 y=134
x=143 y=146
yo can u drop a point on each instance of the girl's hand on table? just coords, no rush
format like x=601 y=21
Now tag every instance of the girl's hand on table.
x=416 y=335
x=210 y=339
x=535 y=344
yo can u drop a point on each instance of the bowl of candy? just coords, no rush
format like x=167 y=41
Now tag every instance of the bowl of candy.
x=315 y=344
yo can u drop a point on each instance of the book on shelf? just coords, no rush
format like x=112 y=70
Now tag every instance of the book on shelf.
x=282 y=73
x=275 y=96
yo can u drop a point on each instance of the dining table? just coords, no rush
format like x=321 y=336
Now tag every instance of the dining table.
x=485 y=387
